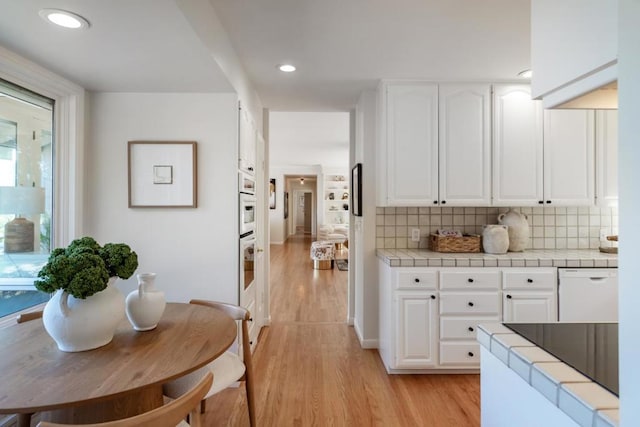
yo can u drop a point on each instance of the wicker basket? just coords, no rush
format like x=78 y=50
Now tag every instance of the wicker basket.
x=466 y=243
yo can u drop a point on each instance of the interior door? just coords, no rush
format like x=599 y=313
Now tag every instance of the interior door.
x=261 y=314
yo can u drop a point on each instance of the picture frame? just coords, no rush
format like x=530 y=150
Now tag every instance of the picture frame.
x=162 y=174
x=286 y=204
x=272 y=193
x=356 y=190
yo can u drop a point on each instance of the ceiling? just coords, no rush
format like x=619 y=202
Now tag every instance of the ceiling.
x=340 y=47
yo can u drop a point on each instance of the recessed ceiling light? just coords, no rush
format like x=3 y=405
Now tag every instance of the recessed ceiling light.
x=287 y=68
x=525 y=74
x=63 y=18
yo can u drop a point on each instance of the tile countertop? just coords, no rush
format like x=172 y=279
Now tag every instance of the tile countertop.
x=585 y=258
x=585 y=401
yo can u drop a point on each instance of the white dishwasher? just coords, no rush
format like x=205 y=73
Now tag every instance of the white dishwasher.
x=588 y=294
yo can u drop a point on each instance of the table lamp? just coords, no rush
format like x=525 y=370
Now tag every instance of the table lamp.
x=21 y=201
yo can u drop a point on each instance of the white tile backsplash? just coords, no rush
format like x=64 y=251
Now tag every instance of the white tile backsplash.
x=550 y=228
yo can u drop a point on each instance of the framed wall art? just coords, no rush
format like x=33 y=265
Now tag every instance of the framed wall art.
x=272 y=193
x=162 y=174
x=356 y=190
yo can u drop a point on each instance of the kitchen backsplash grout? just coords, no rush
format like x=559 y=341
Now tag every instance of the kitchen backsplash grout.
x=550 y=227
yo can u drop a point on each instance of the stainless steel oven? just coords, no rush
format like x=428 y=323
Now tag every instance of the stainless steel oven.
x=247 y=261
x=247 y=213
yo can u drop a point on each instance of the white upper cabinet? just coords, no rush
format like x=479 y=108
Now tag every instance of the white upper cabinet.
x=540 y=158
x=607 y=158
x=574 y=47
x=465 y=144
x=517 y=147
x=410 y=132
x=568 y=157
x=247 y=141
x=435 y=144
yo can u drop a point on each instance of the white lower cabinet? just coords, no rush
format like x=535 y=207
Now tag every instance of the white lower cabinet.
x=429 y=316
x=530 y=295
x=416 y=330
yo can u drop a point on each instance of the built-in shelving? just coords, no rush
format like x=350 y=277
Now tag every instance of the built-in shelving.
x=336 y=199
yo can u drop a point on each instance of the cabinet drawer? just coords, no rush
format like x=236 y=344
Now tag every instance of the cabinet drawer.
x=459 y=328
x=417 y=279
x=460 y=353
x=530 y=279
x=470 y=303
x=470 y=280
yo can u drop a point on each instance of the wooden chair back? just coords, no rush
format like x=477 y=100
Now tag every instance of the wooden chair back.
x=25 y=317
x=168 y=415
x=242 y=314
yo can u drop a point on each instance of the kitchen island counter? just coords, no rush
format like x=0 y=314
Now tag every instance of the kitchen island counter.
x=522 y=383
x=583 y=258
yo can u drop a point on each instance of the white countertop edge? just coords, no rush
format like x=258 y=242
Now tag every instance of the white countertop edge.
x=586 y=402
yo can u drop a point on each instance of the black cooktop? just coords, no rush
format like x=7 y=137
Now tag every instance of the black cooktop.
x=591 y=348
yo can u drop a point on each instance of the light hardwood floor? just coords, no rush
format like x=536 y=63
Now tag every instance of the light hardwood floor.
x=311 y=371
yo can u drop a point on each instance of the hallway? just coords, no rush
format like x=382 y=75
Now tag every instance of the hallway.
x=311 y=371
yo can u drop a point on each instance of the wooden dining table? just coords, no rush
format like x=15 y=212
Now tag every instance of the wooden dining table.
x=118 y=380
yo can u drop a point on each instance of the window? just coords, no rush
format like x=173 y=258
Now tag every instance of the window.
x=26 y=190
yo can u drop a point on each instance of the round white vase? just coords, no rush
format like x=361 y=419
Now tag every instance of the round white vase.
x=518 y=229
x=84 y=324
x=145 y=305
x=495 y=239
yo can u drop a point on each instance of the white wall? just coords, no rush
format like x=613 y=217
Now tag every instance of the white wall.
x=194 y=251
x=366 y=271
x=628 y=178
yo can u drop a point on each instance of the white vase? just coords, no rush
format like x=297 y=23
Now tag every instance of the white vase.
x=84 y=324
x=518 y=229
x=495 y=239
x=145 y=305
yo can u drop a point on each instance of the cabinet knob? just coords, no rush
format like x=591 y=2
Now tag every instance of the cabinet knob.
x=250 y=319
x=508 y=296
x=250 y=342
x=470 y=280
x=433 y=297
x=540 y=202
x=470 y=328
x=444 y=202
x=250 y=168
x=435 y=202
x=548 y=202
x=470 y=354
x=470 y=304
x=529 y=280
x=416 y=280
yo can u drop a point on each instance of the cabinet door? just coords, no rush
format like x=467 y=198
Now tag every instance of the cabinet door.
x=464 y=145
x=411 y=117
x=529 y=307
x=568 y=158
x=247 y=142
x=517 y=147
x=607 y=158
x=416 y=330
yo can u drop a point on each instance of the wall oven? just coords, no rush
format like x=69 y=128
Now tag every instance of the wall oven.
x=247 y=213
x=246 y=183
x=247 y=264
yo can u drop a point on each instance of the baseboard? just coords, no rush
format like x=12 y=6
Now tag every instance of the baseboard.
x=364 y=343
x=351 y=321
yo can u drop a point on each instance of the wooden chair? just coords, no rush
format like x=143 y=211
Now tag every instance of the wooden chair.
x=168 y=415
x=25 y=317
x=228 y=368
x=25 y=419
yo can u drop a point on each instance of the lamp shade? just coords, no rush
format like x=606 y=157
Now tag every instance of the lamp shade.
x=21 y=200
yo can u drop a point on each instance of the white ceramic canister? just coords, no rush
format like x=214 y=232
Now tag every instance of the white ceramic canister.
x=518 y=229
x=145 y=305
x=495 y=239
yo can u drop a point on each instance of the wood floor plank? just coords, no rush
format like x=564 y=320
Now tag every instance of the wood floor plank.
x=311 y=371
